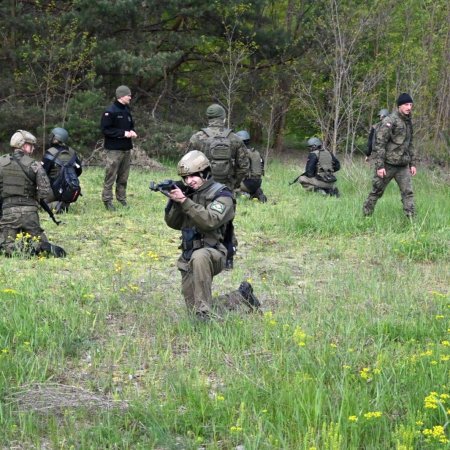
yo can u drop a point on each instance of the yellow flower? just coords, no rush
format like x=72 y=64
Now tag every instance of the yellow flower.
x=9 y=291
x=235 y=429
x=373 y=415
x=364 y=373
x=220 y=398
x=445 y=343
x=431 y=401
x=352 y=419
x=419 y=423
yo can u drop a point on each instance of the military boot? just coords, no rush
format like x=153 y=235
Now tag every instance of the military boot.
x=246 y=290
x=52 y=249
x=109 y=206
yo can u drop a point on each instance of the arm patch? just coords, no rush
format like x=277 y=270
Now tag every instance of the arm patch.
x=217 y=206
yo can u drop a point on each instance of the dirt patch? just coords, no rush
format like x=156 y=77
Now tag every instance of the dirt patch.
x=138 y=158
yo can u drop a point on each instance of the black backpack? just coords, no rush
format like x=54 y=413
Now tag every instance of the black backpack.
x=66 y=186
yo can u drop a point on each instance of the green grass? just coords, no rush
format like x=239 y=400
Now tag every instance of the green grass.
x=353 y=339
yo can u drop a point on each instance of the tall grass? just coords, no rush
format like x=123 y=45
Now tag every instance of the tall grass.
x=351 y=351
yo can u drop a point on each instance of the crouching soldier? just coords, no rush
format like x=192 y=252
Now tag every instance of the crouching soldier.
x=201 y=212
x=23 y=183
x=320 y=168
x=251 y=184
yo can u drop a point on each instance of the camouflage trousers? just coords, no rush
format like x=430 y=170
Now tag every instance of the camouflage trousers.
x=196 y=283
x=402 y=176
x=311 y=183
x=20 y=230
x=116 y=171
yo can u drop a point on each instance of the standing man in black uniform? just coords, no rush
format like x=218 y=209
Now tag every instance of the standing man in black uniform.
x=118 y=128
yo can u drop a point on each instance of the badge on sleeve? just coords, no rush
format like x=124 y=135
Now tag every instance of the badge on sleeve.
x=217 y=206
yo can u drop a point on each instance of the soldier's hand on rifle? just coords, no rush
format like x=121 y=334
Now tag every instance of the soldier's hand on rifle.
x=381 y=172
x=177 y=195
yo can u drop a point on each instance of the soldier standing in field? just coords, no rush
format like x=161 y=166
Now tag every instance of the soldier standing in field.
x=371 y=139
x=394 y=157
x=202 y=212
x=118 y=128
x=227 y=155
x=251 y=184
x=23 y=183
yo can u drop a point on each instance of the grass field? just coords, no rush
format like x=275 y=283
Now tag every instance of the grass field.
x=351 y=352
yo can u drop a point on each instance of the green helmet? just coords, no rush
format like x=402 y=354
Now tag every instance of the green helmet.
x=215 y=111
x=58 y=135
x=21 y=137
x=314 y=142
x=383 y=113
x=192 y=162
x=244 y=135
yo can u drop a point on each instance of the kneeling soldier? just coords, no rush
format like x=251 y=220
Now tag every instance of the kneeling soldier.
x=202 y=213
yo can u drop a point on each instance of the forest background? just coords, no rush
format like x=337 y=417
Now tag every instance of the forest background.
x=284 y=70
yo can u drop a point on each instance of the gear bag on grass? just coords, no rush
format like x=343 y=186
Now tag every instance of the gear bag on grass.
x=218 y=151
x=66 y=186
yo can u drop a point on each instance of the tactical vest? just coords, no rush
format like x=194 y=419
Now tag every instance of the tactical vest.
x=256 y=163
x=217 y=148
x=17 y=186
x=325 y=161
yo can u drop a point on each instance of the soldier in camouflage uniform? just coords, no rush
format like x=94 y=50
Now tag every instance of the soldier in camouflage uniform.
x=227 y=154
x=370 y=141
x=394 y=157
x=202 y=212
x=320 y=168
x=251 y=184
x=23 y=182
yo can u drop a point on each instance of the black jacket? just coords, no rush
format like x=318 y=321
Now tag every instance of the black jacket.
x=115 y=121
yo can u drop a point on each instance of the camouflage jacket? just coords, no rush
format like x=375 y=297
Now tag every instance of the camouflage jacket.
x=394 y=142
x=23 y=181
x=240 y=163
x=208 y=209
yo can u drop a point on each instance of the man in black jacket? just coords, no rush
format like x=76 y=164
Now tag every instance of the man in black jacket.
x=118 y=128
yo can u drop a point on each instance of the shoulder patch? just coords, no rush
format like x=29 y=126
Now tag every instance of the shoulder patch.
x=217 y=206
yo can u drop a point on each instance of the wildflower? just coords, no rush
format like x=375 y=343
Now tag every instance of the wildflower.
x=419 y=423
x=446 y=343
x=427 y=353
x=445 y=358
x=364 y=373
x=437 y=434
x=299 y=336
x=9 y=291
x=439 y=317
x=235 y=429
x=373 y=415
x=220 y=398
x=431 y=401
x=352 y=419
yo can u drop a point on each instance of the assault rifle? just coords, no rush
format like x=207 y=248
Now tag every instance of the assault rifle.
x=49 y=211
x=167 y=185
x=295 y=181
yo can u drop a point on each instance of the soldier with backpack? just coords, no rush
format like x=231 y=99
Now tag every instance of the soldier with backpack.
x=371 y=139
x=227 y=155
x=63 y=167
x=23 y=185
x=320 y=168
x=251 y=184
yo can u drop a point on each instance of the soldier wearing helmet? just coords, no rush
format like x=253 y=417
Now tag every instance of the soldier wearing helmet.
x=226 y=152
x=202 y=213
x=23 y=183
x=320 y=168
x=370 y=141
x=57 y=154
x=251 y=184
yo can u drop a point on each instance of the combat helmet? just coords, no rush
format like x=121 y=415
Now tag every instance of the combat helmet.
x=58 y=134
x=215 y=111
x=21 y=137
x=314 y=143
x=191 y=163
x=244 y=136
x=383 y=113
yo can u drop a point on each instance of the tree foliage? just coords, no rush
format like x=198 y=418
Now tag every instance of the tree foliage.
x=289 y=68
